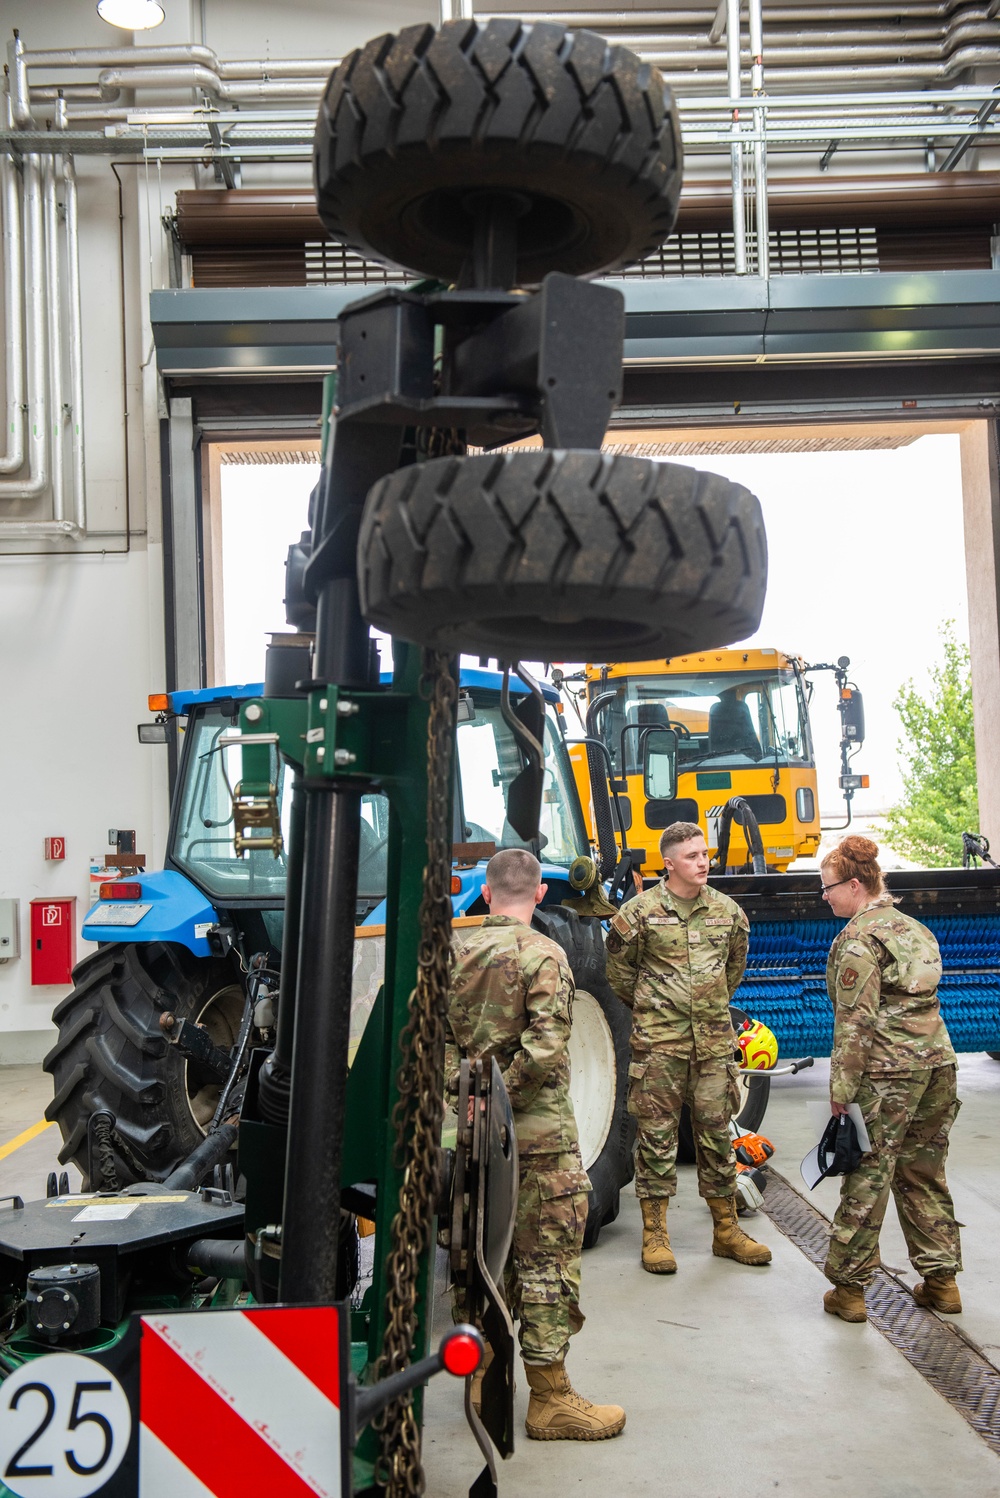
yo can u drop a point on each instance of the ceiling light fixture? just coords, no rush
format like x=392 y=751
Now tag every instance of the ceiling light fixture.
x=131 y=15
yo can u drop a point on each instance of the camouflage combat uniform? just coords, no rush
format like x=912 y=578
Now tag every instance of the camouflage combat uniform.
x=893 y=1057
x=511 y=997
x=677 y=974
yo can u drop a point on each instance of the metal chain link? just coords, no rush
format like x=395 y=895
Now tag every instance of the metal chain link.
x=418 y=1113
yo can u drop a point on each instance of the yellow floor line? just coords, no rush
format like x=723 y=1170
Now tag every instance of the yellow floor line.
x=32 y=1133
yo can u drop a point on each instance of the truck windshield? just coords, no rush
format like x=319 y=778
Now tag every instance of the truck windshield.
x=733 y=720
x=202 y=834
x=489 y=760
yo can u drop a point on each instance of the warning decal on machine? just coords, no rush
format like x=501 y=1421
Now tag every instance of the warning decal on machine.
x=261 y=1392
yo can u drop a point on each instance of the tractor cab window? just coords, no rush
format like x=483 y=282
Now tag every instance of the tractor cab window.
x=201 y=840
x=734 y=720
x=489 y=759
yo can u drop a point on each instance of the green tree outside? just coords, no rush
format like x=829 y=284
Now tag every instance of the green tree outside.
x=940 y=798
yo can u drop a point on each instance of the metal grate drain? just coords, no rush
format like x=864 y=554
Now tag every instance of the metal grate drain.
x=945 y=1357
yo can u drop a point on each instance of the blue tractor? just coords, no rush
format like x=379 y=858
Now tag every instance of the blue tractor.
x=182 y=989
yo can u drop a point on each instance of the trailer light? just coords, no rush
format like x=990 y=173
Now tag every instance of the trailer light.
x=119 y=891
x=456 y=885
x=158 y=702
x=462 y=1351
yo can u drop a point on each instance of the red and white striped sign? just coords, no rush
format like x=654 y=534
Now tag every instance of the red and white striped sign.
x=239 y=1401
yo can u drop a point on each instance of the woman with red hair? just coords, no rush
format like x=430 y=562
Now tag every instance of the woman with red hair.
x=893 y=1057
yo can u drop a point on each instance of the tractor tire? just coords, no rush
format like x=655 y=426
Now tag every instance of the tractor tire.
x=599 y=557
x=584 y=134
x=599 y=1053
x=111 y=1054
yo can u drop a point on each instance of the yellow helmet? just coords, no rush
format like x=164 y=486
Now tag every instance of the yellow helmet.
x=758 y=1046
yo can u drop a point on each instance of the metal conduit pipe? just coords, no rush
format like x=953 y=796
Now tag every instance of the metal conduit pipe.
x=736 y=149
x=53 y=297
x=782 y=57
x=75 y=340
x=898 y=40
x=13 y=318
x=760 y=145
x=34 y=281
x=296 y=67
x=112 y=80
x=45 y=93
x=113 y=57
x=281 y=88
x=773 y=15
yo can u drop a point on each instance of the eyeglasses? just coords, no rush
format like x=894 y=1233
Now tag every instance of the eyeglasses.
x=824 y=887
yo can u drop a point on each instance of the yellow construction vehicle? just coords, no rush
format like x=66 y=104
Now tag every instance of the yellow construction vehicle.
x=741 y=718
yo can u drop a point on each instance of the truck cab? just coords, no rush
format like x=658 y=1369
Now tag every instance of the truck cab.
x=742 y=725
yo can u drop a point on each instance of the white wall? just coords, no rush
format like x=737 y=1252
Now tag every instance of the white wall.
x=81 y=636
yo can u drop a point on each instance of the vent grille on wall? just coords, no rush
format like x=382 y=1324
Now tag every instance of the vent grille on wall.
x=332 y=264
x=709 y=252
x=704 y=252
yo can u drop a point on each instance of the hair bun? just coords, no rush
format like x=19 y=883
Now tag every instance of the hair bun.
x=861 y=849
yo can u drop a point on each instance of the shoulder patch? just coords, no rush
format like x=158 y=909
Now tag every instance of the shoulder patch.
x=848 y=977
x=615 y=942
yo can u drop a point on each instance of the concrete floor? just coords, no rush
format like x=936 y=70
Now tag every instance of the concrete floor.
x=735 y=1383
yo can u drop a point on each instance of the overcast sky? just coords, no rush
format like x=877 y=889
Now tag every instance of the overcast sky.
x=866 y=560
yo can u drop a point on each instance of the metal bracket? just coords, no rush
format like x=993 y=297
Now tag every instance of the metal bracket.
x=260 y=816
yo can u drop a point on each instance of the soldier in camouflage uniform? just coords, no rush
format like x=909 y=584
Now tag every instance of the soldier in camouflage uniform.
x=676 y=955
x=511 y=998
x=893 y=1057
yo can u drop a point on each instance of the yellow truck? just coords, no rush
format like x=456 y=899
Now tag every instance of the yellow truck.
x=741 y=718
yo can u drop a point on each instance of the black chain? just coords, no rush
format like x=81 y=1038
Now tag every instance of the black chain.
x=418 y=1113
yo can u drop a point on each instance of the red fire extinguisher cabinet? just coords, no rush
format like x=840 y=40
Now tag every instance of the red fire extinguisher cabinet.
x=53 y=940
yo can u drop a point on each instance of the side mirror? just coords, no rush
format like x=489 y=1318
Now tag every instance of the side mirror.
x=659 y=764
x=852 y=715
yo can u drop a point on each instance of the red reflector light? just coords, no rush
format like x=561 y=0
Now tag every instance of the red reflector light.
x=157 y=702
x=456 y=885
x=462 y=1352
x=117 y=891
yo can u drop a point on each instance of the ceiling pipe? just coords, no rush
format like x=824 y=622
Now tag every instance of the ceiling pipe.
x=192 y=75
x=34 y=278
x=736 y=149
x=53 y=297
x=760 y=144
x=75 y=343
x=13 y=317
x=124 y=57
x=774 y=15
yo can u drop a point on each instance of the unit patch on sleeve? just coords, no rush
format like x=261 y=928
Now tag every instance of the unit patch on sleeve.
x=848 y=977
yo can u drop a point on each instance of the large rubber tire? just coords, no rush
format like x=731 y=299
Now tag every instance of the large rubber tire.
x=607 y=1134
x=579 y=555
x=584 y=133
x=111 y=1054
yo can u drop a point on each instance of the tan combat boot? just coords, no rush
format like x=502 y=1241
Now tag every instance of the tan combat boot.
x=657 y=1255
x=940 y=1293
x=556 y=1412
x=847 y=1302
x=729 y=1240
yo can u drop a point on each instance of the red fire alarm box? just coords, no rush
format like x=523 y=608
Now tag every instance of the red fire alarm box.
x=55 y=847
x=53 y=940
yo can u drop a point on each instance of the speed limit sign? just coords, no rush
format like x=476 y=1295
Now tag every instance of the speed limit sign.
x=65 y=1424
